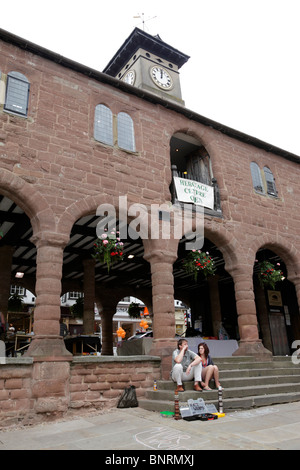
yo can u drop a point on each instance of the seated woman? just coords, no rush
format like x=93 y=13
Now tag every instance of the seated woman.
x=209 y=370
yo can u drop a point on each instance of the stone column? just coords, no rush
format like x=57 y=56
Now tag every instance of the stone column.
x=47 y=344
x=215 y=305
x=295 y=279
x=108 y=298
x=263 y=315
x=6 y=254
x=161 y=254
x=107 y=331
x=89 y=297
x=250 y=344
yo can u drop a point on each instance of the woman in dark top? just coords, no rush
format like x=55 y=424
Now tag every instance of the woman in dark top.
x=209 y=369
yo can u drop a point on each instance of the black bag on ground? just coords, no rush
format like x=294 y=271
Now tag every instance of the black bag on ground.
x=128 y=398
x=202 y=417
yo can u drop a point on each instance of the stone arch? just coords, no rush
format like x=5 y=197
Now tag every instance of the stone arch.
x=283 y=248
x=106 y=297
x=85 y=206
x=29 y=199
x=277 y=334
x=226 y=243
x=209 y=298
x=189 y=154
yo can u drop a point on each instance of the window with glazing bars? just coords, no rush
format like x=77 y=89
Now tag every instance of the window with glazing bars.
x=103 y=124
x=256 y=177
x=125 y=132
x=270 y=182
x=17 y=93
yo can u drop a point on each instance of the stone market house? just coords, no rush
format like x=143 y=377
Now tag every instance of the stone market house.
x=73 y=139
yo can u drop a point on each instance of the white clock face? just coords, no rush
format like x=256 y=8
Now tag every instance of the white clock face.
x=161 y=77
x=129 y=77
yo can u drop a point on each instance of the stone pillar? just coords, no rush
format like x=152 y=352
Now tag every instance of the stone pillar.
x=47 y=344
x=6 y=254
x=263 y=315
x=295 y=279
x=107 y=331
x=215 y=305
x=161 y=254
x=108 y=298
x=250 y=344
x=89 y=297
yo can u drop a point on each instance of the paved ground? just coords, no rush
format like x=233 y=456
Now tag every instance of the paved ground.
x=268 y=428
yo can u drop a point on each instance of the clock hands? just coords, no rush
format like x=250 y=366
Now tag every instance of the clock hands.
x=161 y=77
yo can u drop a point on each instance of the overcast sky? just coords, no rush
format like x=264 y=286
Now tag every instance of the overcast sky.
x=243 y=70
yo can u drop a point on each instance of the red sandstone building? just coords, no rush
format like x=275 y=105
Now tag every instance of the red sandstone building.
x=73 y=139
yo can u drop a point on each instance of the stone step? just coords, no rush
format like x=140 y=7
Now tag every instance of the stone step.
x=222 y=365
x=257 y=372
x=230 y=392
x=231 y=404
x=246 y=382
x=251 y=359
x=240 y=381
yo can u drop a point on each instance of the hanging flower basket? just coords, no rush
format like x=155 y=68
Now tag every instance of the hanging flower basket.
x=199 y=261
x=134 y=310
x=108 y=249
x=268 y=275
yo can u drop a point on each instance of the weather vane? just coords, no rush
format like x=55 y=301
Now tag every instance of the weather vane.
x=142 y=17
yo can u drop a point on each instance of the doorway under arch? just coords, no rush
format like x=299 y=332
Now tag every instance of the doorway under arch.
x=212 y=299
x=277 y=306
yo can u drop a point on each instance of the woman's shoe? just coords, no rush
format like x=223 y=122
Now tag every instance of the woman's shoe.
x=197 y=388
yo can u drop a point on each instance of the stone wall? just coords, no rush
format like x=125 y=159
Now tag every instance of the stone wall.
x=33 y=392
x=52 y=168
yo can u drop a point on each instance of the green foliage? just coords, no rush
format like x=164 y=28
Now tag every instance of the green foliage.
x=199 y=261
x=268 y=275
x=108 y=249
x=134 y=310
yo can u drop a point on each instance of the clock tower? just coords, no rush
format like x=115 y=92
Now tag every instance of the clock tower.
x=146 y=62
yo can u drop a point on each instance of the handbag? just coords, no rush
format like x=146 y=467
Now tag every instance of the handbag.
x=128 y=398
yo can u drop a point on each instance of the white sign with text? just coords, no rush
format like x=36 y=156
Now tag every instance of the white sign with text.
x=194 y=192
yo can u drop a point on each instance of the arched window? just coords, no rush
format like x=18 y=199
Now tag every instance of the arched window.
x=126 y=139
x=103 y=124
x=17 y=93
x=270 y=182
x=256 y=177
